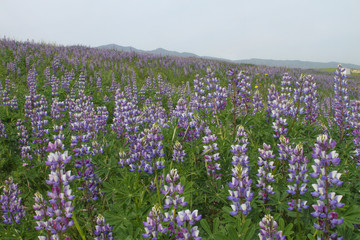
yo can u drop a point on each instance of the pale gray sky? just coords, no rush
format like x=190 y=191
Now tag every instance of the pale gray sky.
x=314 y=30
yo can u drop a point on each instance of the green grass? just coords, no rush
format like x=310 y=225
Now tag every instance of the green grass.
x=333 y=70
x=326 y=69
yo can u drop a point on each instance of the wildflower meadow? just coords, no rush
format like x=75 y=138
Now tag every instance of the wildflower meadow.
x=104 y=144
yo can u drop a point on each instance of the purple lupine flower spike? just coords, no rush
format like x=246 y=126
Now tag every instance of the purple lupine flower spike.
x=208 y=97
x=257 y=102
x=153 y=225
x=180 y=222
x=341 y=101
x=12 y=210
x=325 y=158
x=268 y=229
x=178 y=154
x=240 y=193
x=172 y=190
x=2 y=130
x=298 y=176
x=211 y=156
x=55 y=215
x=311 y=100
x=189 y=127
x=239 y=84
x=354 y=121
x=187 y=217
x=102 y=230
x=264 y=172
x=285 y=151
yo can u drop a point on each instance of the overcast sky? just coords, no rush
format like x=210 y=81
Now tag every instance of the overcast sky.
x=314 y=30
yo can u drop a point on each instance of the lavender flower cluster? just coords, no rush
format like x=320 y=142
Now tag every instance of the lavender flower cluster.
x=175 y=224
x=328 y=201
x=264 y=172
x=268 y=229
x=55 y=215
x=241 y=194
x=12 y=210
x=210 y=154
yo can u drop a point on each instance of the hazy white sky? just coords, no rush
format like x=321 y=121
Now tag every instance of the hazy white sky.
x=315 y=30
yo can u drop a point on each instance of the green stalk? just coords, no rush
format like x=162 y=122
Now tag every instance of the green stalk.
x=18 y=233
x=234 y=108
x=298 y=220
x=297 y=211
x=157 y=187
x=61 y=190
x=298 y=105
x=82 y=235
x=327 y=186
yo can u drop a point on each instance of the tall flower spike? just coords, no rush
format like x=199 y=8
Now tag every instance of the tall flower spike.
x=58 y=216
x=211 y=156
x=264 y=172
x=188 y=218
x=2 y=130
x=257 y=102
x=311 y=100
x=86 y=172
x=240 y=88
x=355 y=125
x=12 y=210
x=286 y=102
x=153 y=225
x=153 y=149
x=341 y=101
x=173 y=190
x=178 y=154
x=273 y=102
x=102 y=230
x=297 y=176
x=240 y=193
x=177 y=220
x=208 y=97
x=285 y=151
x=268 y=229
x=189 y=127
x=324 y=159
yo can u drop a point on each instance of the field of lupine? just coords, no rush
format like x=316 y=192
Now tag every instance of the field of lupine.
x=100 y=144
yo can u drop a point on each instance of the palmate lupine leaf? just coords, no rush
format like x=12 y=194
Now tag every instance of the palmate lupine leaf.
x=242 y=230
x=123 y=191
x=217 y=233
x=286 y=229
x=351 y=216
x=124 y=222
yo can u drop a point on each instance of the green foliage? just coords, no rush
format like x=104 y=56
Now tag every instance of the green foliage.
x=126 y=198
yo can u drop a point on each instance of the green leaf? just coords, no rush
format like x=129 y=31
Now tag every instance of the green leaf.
x=245 y=226
x=216 y=225
x=281 y=223
x=221 y=236
x=351 y=216
x=311 y=237
x=232 y=232
x=78 y=227
x=249 y=235
x=288 y=230
x=205 y=226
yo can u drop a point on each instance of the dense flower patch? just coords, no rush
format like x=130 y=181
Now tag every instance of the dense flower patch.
x=101 y=144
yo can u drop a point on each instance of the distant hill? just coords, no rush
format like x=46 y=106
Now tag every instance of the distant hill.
x=255 y=61
x=159 y=51
x=165 y=52
x=295 y=63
